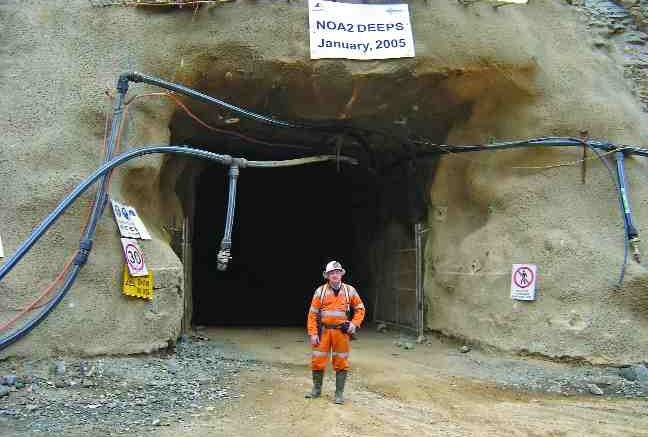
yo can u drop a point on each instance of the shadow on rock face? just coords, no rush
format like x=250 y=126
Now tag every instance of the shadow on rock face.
x=633 y=294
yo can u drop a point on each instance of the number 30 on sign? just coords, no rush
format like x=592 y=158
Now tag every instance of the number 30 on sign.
x=134 y=257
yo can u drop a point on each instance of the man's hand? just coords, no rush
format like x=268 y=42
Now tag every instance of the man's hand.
x=352 y=329
x=314 y=340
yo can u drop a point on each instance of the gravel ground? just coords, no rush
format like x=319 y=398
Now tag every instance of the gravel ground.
x=528 y=373
x=535 y=375
x=614 y=26
x=202 y=377
x=118 y=395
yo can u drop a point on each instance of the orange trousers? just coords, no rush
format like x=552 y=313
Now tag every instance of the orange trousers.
x=335 y=343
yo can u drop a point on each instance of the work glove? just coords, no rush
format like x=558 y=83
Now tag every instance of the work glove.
x=314 y=340
x=351 y=329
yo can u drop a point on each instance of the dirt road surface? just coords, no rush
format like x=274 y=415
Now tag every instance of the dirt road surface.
x=397 y=392
x=251 y=382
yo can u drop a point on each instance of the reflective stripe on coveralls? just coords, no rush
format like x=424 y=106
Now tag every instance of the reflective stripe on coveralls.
x=326 y=354
x=335 y=343
x=333 y=314
x=325 y=300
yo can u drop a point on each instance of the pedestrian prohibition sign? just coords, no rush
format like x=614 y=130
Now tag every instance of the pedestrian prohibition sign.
x=523 y=282
x=134 y=257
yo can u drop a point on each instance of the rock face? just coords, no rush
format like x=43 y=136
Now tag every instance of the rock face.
x=480 y=73
x=488 y=213
x=639 y=11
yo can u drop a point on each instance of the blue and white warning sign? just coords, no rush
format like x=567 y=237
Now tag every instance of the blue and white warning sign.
x=129 y=223
x=358 y=31
x=134 y=257
x=523 y=281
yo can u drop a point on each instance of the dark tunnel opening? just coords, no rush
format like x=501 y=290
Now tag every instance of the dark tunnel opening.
x=289 y=223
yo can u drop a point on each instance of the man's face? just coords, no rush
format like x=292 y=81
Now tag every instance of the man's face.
x=335 y=276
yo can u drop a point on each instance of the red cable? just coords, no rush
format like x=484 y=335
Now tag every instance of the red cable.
x=37 y=302
x=239 y=135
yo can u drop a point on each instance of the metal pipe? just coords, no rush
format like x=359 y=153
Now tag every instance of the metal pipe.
x=534 y=142
x=546 y=141
x=104 y=171
x=144 y=78
x=224 y=254
x=301 y=161
x=626 y=209
x=118 y=160
x=85 y=245
x=625 y=225
x=49 y=306
x=101 y=196
x=51 y=218
x=418 y=235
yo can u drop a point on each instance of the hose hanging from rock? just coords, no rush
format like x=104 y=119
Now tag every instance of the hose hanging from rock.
x=99 y=175
x=630 y=228
x=103 y=174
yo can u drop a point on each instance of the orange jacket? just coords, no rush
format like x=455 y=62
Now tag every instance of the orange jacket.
x=334 y=308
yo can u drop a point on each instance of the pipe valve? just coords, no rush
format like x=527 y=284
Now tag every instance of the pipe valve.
x=634 y=245
x=223 y=258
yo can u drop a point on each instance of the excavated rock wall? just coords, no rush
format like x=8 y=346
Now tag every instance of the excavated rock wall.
x=480 y=73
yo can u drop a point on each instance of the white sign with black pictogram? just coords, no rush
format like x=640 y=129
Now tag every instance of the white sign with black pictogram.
x=134 y=257
x=523 y=281
x=129 y=223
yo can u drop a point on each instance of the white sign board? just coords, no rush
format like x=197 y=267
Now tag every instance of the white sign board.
x=134 y=257
x=129 y=223
x=1 y=249
x=523 y=281
x=353 y=31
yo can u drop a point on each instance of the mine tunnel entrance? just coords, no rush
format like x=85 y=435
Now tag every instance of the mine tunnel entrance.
x=289 y=223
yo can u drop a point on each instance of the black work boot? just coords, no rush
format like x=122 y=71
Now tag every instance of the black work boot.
x=316 y=392
x=340 y=380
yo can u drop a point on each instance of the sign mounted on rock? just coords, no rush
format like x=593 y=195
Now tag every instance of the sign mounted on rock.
x=134 y=257
x=129 y=223
x=523 y=281
x=353 y=31
x=137 y=286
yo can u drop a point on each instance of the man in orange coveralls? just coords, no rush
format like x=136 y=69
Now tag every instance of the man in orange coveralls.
x=329 y=328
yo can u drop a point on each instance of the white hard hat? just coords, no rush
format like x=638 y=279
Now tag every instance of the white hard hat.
x=333 y=265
